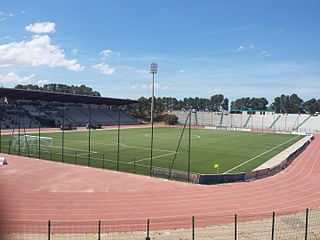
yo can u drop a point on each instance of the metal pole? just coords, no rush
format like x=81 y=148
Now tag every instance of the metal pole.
x=235 y=226
x=89 y=140
x=62 y=142
x=103 y=160
x=153 y=71
x=1 y=131
x=307 y=221
x=189 y=150
x=148 y=230
x=19 y=119
x=151 y=121
x=152 y=100
x=192 y=227
x=1 y=118
x=99 y=230
x=49 y=229
x=151 y=150
x=118 y=151
x=134 y=165
x=273 y=224
x=39 y=126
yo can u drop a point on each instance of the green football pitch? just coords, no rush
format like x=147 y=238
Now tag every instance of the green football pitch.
x=233 y=151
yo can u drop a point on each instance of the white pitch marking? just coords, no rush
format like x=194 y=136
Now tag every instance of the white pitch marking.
x=158 y=156
x=261 y=154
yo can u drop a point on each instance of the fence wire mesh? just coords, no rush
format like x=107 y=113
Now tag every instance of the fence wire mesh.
x=304 y=225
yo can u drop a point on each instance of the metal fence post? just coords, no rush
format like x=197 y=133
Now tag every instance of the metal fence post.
x=148 y=230
x=39 y=134
x=273 y=224
x=19 y=132
x=89 y=140
x=189 y=150
x=134 y=165
x=307 y=221
x=62 y=142
x=49 y=229
x=192 y=227
x=151 y=149
x=75 y=157
x=118 y=150
x=0 y=132
x=235 y=226
x=103 y=160
x=99 y=230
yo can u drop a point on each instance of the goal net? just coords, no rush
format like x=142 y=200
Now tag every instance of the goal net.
x=30 y=144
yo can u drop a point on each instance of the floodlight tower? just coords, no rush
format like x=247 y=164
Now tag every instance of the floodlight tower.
x=153 y=71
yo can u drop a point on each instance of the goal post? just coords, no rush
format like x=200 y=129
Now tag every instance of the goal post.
x=29 y=144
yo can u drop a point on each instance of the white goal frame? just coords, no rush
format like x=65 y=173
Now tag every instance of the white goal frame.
x=30 y=143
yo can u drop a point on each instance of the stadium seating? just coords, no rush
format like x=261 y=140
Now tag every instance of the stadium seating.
x=52 y=116
x=269 y=121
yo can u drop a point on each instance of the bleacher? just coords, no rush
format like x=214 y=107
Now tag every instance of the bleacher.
x=270 y=121
x=52 y=116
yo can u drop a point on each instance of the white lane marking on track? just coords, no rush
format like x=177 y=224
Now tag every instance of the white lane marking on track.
x=261 y=154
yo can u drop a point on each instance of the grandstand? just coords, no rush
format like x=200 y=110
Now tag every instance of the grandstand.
x=29 y=108
x=258 y=120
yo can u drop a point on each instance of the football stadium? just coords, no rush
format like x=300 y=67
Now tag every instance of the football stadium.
x=220 y=141
x=204 y=148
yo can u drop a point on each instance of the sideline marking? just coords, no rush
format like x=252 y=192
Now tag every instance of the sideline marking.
x=192 y=136
x=158 y=156
x=261 y=154
x=124 y=145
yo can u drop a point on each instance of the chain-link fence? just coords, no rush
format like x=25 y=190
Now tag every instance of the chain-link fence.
x=300 y=225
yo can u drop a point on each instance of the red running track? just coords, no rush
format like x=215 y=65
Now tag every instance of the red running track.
x=34 y=189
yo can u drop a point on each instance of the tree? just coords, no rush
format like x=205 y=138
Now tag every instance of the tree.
x=276 y=105
x=311 y=106
x=295 y=103
x=216 y=101
x=288 y=104
x=61 y=88
x=225 y=104
x=171 y=119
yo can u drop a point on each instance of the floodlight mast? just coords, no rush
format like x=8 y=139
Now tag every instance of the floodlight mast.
x=153 y=71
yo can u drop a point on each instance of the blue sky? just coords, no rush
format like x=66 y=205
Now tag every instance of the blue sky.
x=237 y=48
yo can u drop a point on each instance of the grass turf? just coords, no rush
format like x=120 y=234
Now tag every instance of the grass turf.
x=227 y=148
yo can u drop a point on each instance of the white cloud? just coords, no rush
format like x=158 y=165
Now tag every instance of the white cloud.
x=182 y=71
x=13 y=78
x=5 y=15
x=44 y=27
x=156 y=86
x=239 y=49
x=109 y=53
x=75 y=52
x=42 y=82
x=37 y=52
x=243 y=48
x=264 y=53
x=104 y=68
x=141 y=71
